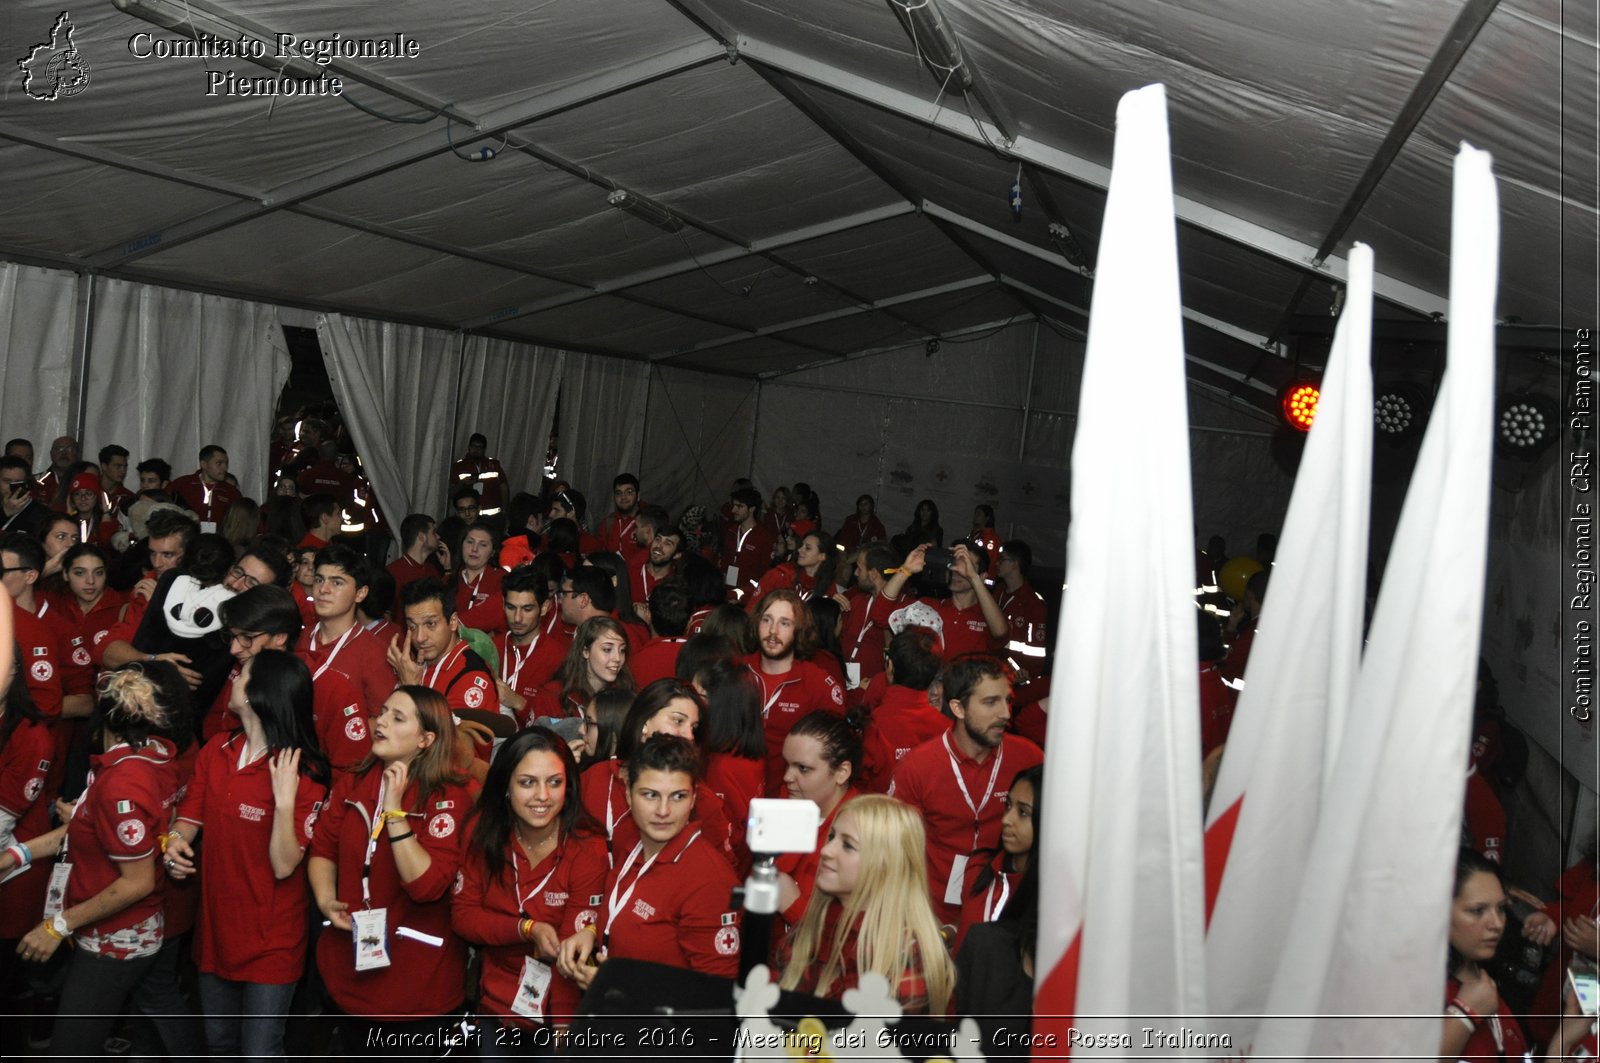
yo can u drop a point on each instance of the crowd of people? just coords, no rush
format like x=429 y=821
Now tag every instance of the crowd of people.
x=252 y=768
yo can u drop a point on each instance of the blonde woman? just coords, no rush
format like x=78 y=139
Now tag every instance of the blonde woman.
x=869 y=911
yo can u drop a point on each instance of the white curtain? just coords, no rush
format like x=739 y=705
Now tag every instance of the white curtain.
x=508 y=392
x=37 y=356
x=603 y=405
x=395 y=385
x=698 y=437
x=171 y=371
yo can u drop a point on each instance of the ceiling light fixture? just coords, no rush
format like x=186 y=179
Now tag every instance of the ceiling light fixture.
x=1399 y=412
x=934 y=40
x=1525 y=425
x=1300 y=404
x=647 y=210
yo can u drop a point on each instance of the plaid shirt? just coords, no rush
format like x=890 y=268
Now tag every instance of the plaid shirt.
x=911 y=991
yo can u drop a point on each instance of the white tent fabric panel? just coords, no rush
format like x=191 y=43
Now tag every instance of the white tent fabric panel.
x=158 y=351
x=603 y=408
x=394 y=385
x=37 y=355
x=613 y=323
x=991 y=369
x=508 y=392
x=698 y=438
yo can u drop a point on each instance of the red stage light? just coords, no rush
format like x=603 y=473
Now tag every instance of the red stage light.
x=1300 y=405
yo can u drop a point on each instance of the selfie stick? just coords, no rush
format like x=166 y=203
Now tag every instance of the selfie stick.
x=760 y=906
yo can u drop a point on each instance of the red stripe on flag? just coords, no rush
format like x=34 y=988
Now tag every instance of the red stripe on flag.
x=1219 y=841
x=1054 y=1005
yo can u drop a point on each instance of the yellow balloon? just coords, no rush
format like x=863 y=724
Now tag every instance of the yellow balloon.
x=1235 y=574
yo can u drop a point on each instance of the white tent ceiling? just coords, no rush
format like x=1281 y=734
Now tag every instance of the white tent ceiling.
x=837 y=197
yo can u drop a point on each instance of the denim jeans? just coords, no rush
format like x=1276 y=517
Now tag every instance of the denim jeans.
x=244 y=1018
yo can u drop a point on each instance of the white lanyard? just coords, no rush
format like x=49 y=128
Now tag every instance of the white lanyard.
x=522 y=900
x=611 y=821
x=866 y=623
x=512 y=675
x=992 y=907
x=244 y=747
x=44 y=607
x=774 y=698
x=739 y=546
x=337 y=646
x=615 y=904
x=644 y=578
x=994 y=773
x=430 y=677
x=378 y=823
x=472 y=595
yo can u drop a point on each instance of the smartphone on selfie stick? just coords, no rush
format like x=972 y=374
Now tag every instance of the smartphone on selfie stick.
x=775 y=827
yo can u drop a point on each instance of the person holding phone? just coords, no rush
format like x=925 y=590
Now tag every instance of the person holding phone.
x=255 y=794
x=385 y=854
x=1477 y=1023
x=533 y=874
x=669 y=897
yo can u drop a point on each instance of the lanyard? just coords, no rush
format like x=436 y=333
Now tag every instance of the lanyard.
x=430 y=677
x=767 y=707
x=337 y=646
x=615 y=904
x=378 y=822
x=994 y=773
x=739 y=545
x=866 y=624
x=991 y=906
x=472 y=595
x=611 y=821
x=516 y=857
x=510 y=677
x=44 y=607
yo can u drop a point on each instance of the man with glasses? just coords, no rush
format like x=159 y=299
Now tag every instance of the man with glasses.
x=464 y=503
x=266 y=618
x=19 y=512
x=44 y=654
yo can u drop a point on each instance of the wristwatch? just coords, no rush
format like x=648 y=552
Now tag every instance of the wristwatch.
x=59 y=925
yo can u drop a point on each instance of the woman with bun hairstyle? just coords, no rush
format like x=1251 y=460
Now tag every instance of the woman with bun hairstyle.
x=255 y=794
x=820 y=756
x=532 y=875
x=385 y=854
x=869 y=911
x=668 y=899
x=664 y=707
x=110 y=903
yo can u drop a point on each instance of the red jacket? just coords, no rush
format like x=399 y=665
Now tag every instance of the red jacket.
x=902 y=721
x=24 y=771
x=422 y=979
x=748 y=551
x=209 y=502
x=656 y=659
x=566 y=891
x=479 y=603
x=785 y=698
x=855 y=531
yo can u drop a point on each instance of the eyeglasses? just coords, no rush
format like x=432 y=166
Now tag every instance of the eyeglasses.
x=16 y=568
x=561 y=592
x=464 y=510
x=246 y=637
x=239 y=575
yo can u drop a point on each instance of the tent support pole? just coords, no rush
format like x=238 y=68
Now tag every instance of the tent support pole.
x=83 y=335
x=1027 y=396
x=755 y=434
x=455 y=413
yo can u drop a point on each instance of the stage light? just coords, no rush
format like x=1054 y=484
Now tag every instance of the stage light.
x=1525 y=425
x=1300 y=404
x=1399 y=412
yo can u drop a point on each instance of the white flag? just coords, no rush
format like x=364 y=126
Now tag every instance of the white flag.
x=1123 y=856
x=1302 y=667
x=1368 y=937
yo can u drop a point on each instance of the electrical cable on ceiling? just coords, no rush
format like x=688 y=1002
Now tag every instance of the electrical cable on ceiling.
x=432 y=114
x=481 y=155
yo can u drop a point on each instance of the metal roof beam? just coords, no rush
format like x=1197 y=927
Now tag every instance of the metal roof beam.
x=940 y=116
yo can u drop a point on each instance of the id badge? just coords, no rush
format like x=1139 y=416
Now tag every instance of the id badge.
x=958 y=876
x=531 y=993
x=372 y=938
x=56 y=893
x=208 y=527
x=852 y=674
x=731 y=577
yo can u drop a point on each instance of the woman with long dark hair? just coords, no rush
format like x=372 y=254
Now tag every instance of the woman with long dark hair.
x=735 y=743
x=1477 y=1023
x=602 y=722
x=924 y=527
x=810 y=575
x=384 y=857
x=91 y=604
x=532 y=869
x=111 y=902
x=994 y=881
x=255 y=794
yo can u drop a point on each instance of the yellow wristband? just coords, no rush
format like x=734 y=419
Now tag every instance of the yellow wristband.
x=525 y=929
x=164 y=839
x=590 y=928
x=52 y=931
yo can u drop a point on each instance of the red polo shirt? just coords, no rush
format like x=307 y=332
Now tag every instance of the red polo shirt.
x=676 y=909
x=785 y=698
x=656 y=659
x=406 y=572
x=566 y=890
x=360 y=656
x=931 y=778
x=604 y=791
x=251 y=925
x=527 y=668
x=965 y=630
x=903 y=720
x=24 y=770
x=479 y=603
x=866 y=631
x=422 y=979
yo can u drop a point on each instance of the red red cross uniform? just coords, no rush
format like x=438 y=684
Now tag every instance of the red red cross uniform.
x=961 y=818
x=604 y=791
x=479 y=603
x=566 y=890
x=656 y=659
x=527 y=668
x=209 y=502
x=676 y=909
x=785 y=698
x=362 y=658
x=251 y=924
x=901 y=722
x=464 y=680
x=422 y=979
x=24 y=771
